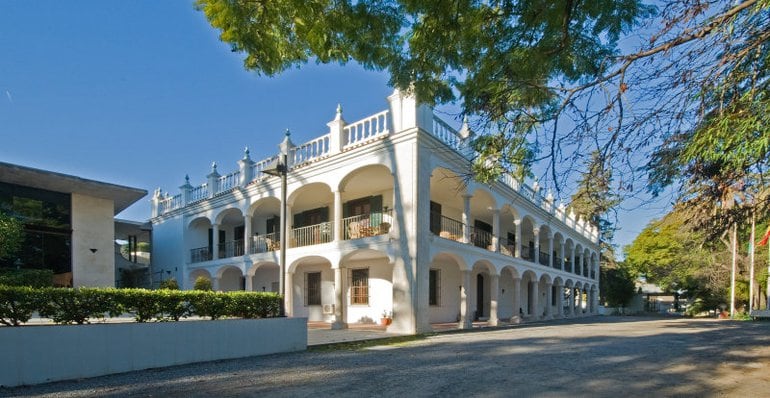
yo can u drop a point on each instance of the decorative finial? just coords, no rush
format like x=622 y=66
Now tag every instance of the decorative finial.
x=187 y=178
x=213 y=166
x=339 y=109
x=288 y=133
x=246 y=152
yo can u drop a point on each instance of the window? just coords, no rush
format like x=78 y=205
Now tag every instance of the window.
x=434 y=289
x=359 y=286
x=435 y=217
x=312 y=288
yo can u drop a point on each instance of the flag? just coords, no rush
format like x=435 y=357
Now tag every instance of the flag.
x=765 y=237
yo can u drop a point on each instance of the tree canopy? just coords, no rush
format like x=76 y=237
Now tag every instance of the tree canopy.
x=668 y=96
x=11 y=235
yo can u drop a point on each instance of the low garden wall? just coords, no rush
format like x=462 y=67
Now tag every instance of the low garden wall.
x=39 y=354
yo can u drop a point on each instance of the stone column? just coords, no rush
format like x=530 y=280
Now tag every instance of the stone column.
x=517 y=223
x=338 y=233
x=496 y=230
x=186 y=191
x=248 y=284
x=289 y=299
x=533 y=300
x=215 y=241
x=245 y=167
x=516 y=318
x=536 y=257
x=580 y=302
x=339 y=300
x=560 y=301
x=213 y=180
x=465 y=304
x=337 y=132
x=215 y=283
x=573 y=302
x=548 y=301
x=467 y=218
x=247 y=240
x=494 y=296
x=561 y=255
x=572 y=259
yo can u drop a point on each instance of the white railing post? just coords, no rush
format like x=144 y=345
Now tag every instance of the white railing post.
x=337 y=132
x=406 y=112
x=213 y=177
x=246 y=167
x=186 y=191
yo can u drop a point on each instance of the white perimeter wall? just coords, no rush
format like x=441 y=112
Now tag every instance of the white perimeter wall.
x=39 y=354
x=93 y=227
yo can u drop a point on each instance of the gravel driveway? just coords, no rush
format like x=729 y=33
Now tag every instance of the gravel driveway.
x=599 y=356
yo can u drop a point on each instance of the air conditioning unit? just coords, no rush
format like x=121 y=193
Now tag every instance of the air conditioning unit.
x=328 y=309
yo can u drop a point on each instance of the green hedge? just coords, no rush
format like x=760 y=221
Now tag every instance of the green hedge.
x=26 y=277
x=70 y=306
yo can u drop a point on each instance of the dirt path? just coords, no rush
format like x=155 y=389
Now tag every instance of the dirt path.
x=593 y=357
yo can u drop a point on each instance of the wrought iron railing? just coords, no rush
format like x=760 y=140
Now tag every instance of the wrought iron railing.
x=481 y=238
x=451 y=229
x=544 y=257
x=265 y=243
x=233 y=248
x=200 y=254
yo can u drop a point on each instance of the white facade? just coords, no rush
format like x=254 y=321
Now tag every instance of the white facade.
x=381 y=221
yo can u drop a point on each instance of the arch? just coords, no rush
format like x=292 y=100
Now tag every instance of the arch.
x=480 y=290
x=508 y=301
x=364 y=254
x=313 y=259
x=308 y=189
x=263 y=276
x=528 y=238
x=529 y=295
x=569 y=250
x=312 y=273
x=230 y=278
x=445 y=284
x=229 y=215
x=268 y=204
x=367 y=179
x=199 y=220
x=557 y=252
x=544 y=239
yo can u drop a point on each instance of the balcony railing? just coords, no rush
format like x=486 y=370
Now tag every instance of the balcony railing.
x=200 y=254
x=557 y=261
x=568 y=266
x=233 y=248
x=451 y=229
x=508 y=247
x=312 y=234
x=265 y=243
x=366 y=225
x=481 y=238
x=544 y=257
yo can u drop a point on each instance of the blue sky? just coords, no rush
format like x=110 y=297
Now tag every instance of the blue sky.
x=141 y=93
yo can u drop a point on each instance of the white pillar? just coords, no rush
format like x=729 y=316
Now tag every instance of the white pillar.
x=536 y=258
x=215 y=283
x=247 y=240
x=466 y=218
x=215 y=241
x=213 y=180
x=338 y=233
x=548 y=301
x=573 y=302
x=496 y=230
x=289 y=299
x=533 y=300
x=560 y=301
x=517 y=223
x=493 y=298
x=337 y=132
x=572 y=260
x=465 y=304
x=516 y=318
x=339 y=300
x=561 y=256
x=245 y=165
x=248 y=282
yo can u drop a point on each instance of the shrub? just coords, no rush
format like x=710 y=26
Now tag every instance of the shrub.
x=169 y=284
x=254 y=305
x=26 y=277
x=17 y=303
x=211 y=304
x=70 y=306
x=202 y=283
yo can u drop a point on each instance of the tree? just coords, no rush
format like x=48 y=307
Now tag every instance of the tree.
x=617 y=286
x=11 y=236
x=548 y=82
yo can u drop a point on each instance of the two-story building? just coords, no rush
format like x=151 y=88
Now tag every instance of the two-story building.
x=383 y=220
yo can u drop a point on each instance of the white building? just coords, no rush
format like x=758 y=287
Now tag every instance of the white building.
x=381 y=221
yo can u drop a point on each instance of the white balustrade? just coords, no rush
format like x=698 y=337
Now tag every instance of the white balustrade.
x=366 y=129
x=261 y=165
x=311 y=150
x=199 y=193
x=446 y=134
x=229 y=181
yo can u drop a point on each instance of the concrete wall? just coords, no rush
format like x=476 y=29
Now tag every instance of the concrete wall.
x=39 y=354
x=93 y=227
x=168 y=253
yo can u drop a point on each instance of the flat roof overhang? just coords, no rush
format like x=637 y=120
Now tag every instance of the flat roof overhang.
x=122 y=196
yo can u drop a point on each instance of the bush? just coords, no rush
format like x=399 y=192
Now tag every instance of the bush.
x=169 y=284
x=202 y=283
x=70 y=306
x=17 y=303
x=26 y=277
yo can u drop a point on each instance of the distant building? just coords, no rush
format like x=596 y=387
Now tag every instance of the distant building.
x=382 y=222
x=68 y=223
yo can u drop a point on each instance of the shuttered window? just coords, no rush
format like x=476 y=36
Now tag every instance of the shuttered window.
x=359 y=286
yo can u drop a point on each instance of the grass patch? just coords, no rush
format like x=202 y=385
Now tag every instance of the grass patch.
x=363 y=344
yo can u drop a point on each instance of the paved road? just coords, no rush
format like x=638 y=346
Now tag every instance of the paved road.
x=594 y=357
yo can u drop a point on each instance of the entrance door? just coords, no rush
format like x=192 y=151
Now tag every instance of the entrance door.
x=479 y=296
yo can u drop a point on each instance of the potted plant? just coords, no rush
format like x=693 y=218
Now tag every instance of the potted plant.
x=387 y=318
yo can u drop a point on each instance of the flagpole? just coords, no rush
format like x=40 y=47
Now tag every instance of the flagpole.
x=751 y=262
